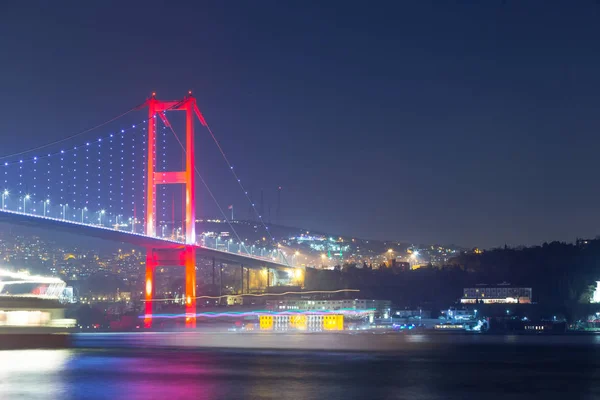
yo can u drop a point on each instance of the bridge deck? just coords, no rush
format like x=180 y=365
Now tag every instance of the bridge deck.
x=134 y=239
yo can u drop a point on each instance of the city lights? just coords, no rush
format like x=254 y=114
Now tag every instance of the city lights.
x=87 y=185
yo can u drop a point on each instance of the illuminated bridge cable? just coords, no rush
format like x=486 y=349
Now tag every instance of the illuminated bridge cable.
x=34 y=158
x=66 y=185
x=210 y=192
x=70 y=137
x=239 y=181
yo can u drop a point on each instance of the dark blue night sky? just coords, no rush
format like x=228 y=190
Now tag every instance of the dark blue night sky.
x=415 y=121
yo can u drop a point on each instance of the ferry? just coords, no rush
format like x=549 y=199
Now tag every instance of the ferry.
x=32 y=322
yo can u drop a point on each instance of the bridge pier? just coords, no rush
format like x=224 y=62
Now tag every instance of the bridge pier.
x=172 y=257
x=242 y=276
x=149 y=287
x=220 y=281
x=213 y=272
x=190 y=286
x=268 y=279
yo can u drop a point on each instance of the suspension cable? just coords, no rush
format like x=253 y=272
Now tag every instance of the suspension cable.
x=209 y=191
x=239 y=181
x=72 y=136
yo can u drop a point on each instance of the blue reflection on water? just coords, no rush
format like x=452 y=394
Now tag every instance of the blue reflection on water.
x=420 y=367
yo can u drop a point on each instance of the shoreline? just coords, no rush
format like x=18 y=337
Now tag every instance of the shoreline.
x=368 y=342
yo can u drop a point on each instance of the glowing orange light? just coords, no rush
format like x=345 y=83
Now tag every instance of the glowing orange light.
x=148 y=287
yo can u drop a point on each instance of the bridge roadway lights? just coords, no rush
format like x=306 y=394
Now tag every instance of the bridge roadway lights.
x=181 y=256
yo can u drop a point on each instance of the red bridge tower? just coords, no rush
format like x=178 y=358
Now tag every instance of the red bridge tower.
x=178 y=255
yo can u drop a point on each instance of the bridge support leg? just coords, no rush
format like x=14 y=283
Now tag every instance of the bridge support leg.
x=220 y=281
x=242 y=276
x=190 y=286
x=176 y=257
x=149 y=287
x=268 y=278
x=213 y=273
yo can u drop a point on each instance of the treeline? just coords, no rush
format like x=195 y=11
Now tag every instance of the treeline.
x=561 y=275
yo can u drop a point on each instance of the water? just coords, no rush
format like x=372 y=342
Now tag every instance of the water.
x=422 y=367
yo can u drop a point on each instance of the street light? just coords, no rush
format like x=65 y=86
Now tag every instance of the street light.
x=46 y=202
x=27 y=197
x=4 y=196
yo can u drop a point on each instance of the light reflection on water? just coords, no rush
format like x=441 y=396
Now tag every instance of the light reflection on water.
x=424 y=367
x=33 y=374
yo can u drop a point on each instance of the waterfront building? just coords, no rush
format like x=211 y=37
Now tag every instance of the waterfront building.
x=380 y=308
x=502 y=294
x=303 y=322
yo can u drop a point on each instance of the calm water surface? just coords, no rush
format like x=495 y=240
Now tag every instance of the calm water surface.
x=446 y=369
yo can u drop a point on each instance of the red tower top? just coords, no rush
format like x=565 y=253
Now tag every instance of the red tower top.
x=187 y=176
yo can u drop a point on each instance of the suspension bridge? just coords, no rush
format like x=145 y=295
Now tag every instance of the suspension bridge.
x=119 y=186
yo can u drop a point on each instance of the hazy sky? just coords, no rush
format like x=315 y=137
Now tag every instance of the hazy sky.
x=420 y=121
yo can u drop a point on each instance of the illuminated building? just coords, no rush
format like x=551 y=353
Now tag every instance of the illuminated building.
x=596 y=294
x=97 y=297
x=503 y=294
x=376 y=308
x=304 y=322
x=419 y=314
x=67 y=295
x=459 y=315
x=449 y=327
